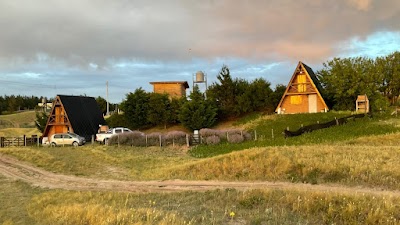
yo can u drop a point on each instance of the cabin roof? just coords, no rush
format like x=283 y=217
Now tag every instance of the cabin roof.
x=83 y=113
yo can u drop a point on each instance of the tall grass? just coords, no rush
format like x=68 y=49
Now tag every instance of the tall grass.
x=349 y=165
x=213 y=207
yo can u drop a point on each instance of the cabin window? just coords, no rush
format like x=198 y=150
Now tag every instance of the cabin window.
x=301 y=80
x=295 y=99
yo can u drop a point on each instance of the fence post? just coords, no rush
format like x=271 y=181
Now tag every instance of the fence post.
x=38 y=141
x=272 y=133
x=227 y=136
x=24 y=140
x=255 y=135
x=337 y=122
x=1 y=142
x=118 y=140
x=92 y=139
x=160 y=140
x=187 y=140
x=146 y=140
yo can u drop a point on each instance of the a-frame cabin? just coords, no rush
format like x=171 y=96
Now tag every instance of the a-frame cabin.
x=302 y=94
x=75 y=114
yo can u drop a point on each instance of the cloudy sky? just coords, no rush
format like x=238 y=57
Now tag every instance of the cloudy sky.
x=74 y=47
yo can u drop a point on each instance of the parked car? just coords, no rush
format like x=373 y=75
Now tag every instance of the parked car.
x=66 y=139
x=103 y=137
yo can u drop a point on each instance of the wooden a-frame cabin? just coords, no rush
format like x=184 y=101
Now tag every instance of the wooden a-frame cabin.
x=302 y=94
x=75 y=114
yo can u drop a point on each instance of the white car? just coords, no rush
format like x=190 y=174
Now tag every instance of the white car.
x=103 y=137
x=66 y=139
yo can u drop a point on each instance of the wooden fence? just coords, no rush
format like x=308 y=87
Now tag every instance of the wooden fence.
x=19 y=141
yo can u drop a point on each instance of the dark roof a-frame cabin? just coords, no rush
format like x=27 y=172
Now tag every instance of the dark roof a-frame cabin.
x=75 y=114
x=303 y=93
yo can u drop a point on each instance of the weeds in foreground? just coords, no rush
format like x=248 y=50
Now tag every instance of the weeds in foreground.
x=213 y=207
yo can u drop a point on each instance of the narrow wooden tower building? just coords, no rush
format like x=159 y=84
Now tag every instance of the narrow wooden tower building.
x=302 y=94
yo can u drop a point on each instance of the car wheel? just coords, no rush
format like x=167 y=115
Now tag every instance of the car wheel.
x=53 y=144
x=75 y=144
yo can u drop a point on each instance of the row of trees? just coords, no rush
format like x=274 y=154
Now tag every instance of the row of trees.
x=225 y=99
x=14 y=103
x=345 y=78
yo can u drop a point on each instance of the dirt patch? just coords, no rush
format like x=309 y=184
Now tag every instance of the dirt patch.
x=17 y=170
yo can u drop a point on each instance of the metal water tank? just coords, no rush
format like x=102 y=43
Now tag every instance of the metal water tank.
x=199 y=77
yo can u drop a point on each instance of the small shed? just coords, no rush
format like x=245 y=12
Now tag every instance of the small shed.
x=303 y=93
x=362 y=104
x=175 y=89
x=75 y=114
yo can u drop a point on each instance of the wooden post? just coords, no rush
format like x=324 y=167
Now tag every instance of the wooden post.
x=118 y=140
x=1 y=142
x=187 y=140
x=92 y=139
x=255 y=135
x=160 y=140
x=24 y=140
x=272 y=133
x=227 y=136
x=146 y=140
x=173 y=142
x=337 y=122
x=38 y=141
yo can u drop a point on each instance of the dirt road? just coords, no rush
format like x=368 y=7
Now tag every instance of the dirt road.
x=18 y=170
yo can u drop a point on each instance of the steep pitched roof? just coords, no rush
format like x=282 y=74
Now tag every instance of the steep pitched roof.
x=83 y=113
x=312 y=76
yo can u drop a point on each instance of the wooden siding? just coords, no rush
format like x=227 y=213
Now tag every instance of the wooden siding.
x=176 y=90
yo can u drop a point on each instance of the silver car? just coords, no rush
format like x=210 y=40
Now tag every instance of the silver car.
x=66 y=139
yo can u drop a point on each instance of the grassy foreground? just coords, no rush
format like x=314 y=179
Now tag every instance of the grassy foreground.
x=212 y=207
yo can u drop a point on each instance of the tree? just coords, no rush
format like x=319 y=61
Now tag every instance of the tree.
x=223 y=93
x=159 y=110
x=388 y=70
x=41 y=121
x=344 y=79
x=198 y=112
x=276 y=96
x=135 y=108
x=102 y=103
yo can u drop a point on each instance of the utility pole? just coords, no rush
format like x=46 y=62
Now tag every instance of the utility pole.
x=108 y=105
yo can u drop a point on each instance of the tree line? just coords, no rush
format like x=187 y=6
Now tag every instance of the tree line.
x=343 y=79
x=12 y=103
x=225 y=99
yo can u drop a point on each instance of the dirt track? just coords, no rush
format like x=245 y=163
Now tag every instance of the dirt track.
x=17 y=170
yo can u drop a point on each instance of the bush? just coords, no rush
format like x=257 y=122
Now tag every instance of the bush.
x=153 y=139
x=211 y=136
x=175 y=137
x=235 y=138
x=212 y=140
x=135 y=138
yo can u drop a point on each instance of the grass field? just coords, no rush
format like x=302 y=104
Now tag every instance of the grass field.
x=364 y=153
x=35 y=206
x=18 y=124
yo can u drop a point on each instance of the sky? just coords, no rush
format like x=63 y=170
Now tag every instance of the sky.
x=50 y=47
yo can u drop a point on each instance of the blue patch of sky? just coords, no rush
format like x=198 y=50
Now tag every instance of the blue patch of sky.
x=375 y=45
